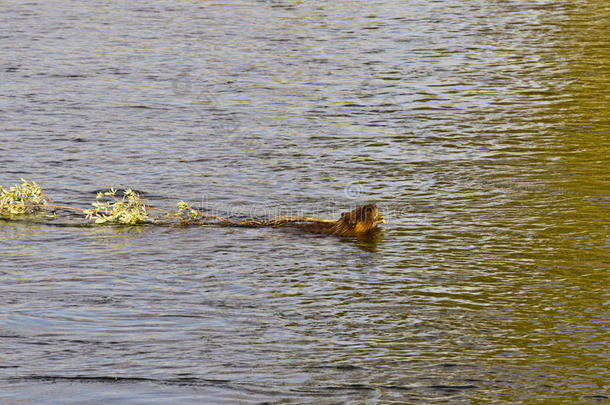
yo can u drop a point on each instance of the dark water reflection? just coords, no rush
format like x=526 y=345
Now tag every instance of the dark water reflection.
x=481 y=129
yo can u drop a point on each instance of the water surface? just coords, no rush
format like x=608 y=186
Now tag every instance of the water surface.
x=479 y=127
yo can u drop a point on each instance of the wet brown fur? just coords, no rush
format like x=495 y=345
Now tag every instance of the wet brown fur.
x=358 y=222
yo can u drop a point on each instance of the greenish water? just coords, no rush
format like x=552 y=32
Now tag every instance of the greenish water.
x=481 y=129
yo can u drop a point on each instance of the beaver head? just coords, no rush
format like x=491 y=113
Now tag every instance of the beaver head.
x=358 y=222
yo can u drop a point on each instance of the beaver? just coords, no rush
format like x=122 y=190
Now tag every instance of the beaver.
x=359 y=222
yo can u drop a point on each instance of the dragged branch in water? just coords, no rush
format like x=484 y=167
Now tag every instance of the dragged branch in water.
x=130 y=209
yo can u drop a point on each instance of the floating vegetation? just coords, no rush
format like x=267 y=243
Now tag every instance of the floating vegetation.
x=186 y=213
x=109 y=208
x=24 y=199
x=131 y=209
x=128 y=210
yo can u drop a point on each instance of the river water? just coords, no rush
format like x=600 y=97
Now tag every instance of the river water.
x=481 y=128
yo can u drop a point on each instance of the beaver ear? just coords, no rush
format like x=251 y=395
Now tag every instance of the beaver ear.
x=348 y=217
